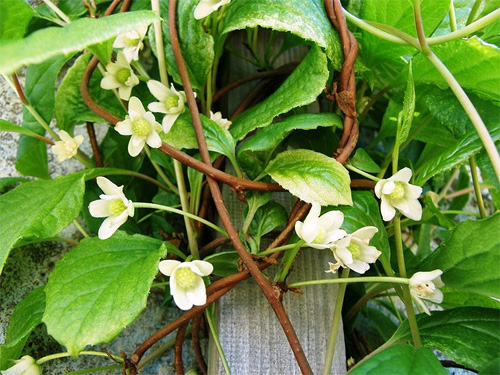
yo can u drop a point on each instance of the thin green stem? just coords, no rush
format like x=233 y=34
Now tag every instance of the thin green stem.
x=458 y=212
x=160 y=285
x=58 y=11
x=337 y=315
x=51 y=357
x=474 y=11
x=362 y=173
x=180 y=212
x=448 y=184
x=140 y=68
x=453 y=18
x=125 y=172
x=276 y=249
x=367 y=279
x=381 y=348
x=160 y=172
x=94 y=369
x=162 y=65
x=41 y=121
x=406 y=289
x=290 y=259
x=477 y=188
x=115 y=91
x=462 y=97
x=215 y=335
x=80 y=228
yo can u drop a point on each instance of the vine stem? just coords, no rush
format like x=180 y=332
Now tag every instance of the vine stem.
x=477 y=188
x=367 y=279
x=362 y=173
x=180 y=212
x=261 y=280
x=160 y=51
x=406 y=289
x=337 y=315
x=58 y=11
x=51 y=357
x=215 y=335
x=462 y=97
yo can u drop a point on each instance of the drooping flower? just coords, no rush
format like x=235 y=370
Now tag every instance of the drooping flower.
x=222 y=122
x=67 y=147
x=206 y=7
x=131 y=42
x=24 y=366
x=119 y=75
x=320 y=232
x=113 y=205
x=425 y=285
x=141 y=125
x=396 y=193
x=354 y=251
x=186 y=282
x=171 y=102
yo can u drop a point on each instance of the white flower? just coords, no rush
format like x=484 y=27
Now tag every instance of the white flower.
x=353 y=251
x=206 y=7
x=131 y=42
x=396 y=192
x=67 y=147
x=24 y=366
x=222 y=122
x=171 y=102
x=119 y=75
x=425 y=285
x=113 y=205
x=186 y=283
x=320 y=232
x=141 y=125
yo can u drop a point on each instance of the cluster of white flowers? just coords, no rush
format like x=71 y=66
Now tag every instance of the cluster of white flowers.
x=350 y=250
x=24 y=366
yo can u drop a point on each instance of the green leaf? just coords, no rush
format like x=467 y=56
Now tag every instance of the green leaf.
x=9 y=181
x=70 y=109
x=16 y=15
x=38 y=209
x=401 y=360
x=489 y=176
x=6 y=126
x=182 y=136
x=307 y=19
x=52 y=41
x=363 y=161
x=255 y=153
x=493 y=368
x=460 y=298
x=365 y=212
x=267 y=218
x=312 y=177
x=39 y=90
x=405 y=117
x=466 y=335
x=225 y=263
x=472 y=62
x=197 y=46
x=291 y=94
x=26 y=316
x=99 y=288
x=466 y=257
x=384 y=57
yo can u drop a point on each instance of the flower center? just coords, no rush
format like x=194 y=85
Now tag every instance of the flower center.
x=70 y=148
x=355 y=250
x=321 y=236
x=132 y=42
x=398 y=193
x=186 y=279
x=425 y=290
x=141 y=127
x=122 y=75
x=172 y=102
x=116 y=207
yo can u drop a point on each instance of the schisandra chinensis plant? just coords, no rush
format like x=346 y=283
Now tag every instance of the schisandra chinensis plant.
x=196 y=144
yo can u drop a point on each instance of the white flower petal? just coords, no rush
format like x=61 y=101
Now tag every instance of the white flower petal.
x=78 y=140
x=414 y=210
x=205 y=268
x=359 y=266
x=158 y=89
x=181 y=299
x=344 y=255
x=198 y=294
x=154 y=140
x=379 y=186
x=135 y=145
x=334 y=235
x=124 y=92
x=403 y=175
x=402 y=205
x=331 y=220
x=108 y=187
x=388 y=187
x=202 y=10
x=158 y=107
x=412 y=191
x=135 y=105
x=124 y=127
x=110 y=82
x=122 y=60
x=386 y=209
x=313 y=212
x=99 y=208
x=109 y=227
x=166 y=267
x=310 y=230
x=168 y=121
x=365 y=233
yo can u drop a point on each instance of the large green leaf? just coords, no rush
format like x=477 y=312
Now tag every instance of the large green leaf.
x=255 y=153
x=401 y=360
x=311 y=176
x=472 y=62
x=99 y=288
x=69 y=107
x=16 y=15
x=385 y=57
x=181 y=136
x=306 y=19
x=38 y=209
x=197 y=46
x=459 y=298
x=26 y=316
x=79 y=34
x=405 y=117
x=291 y=94
x=39 y=90
x=467 y=335
x=365 y=212
x=468 y=256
